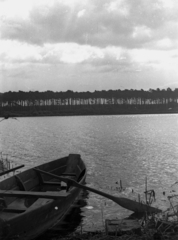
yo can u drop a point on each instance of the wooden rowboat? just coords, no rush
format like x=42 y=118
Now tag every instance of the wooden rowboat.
x=32 y=202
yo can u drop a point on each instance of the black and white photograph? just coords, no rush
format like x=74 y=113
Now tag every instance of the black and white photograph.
x=88 y=119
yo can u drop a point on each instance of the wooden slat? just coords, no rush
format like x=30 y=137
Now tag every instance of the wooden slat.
x=56 y=170
x=50 y=195
x=13 y=210
x=8 y=183
x=26 y=175
x=68 y=174
x=58 y=163
x=52 y=183
x=32 y=183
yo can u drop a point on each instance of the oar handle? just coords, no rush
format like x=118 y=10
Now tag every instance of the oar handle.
x=76 y=184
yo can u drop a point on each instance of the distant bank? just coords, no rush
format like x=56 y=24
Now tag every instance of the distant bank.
x=87 y=112
x=69 y=103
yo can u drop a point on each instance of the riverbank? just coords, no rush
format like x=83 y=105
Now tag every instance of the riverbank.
x=86 y=112
x=148 y=229
x=148 y=235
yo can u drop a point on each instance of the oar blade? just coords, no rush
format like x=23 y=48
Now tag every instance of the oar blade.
x=135 y=206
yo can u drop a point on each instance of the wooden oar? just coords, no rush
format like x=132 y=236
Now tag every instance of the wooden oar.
x=11 y=170
x=123 y=202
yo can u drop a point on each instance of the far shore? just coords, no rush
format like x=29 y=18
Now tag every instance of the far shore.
x=88 y=112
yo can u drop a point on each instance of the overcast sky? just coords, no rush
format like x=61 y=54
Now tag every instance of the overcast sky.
x=88 y=45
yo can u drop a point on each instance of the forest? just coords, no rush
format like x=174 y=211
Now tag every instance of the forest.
x=35 y=103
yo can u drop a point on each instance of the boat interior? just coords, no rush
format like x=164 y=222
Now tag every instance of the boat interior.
x=31 y=189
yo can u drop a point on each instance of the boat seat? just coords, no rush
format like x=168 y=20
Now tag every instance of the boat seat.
x=14 y=210
x=52 y=183
x=68 y=174
x=31 y=194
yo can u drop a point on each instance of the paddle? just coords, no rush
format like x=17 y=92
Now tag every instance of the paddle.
x=11 y=170
x=123 y=202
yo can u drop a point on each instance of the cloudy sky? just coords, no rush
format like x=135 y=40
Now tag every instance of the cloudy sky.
x=88 y=45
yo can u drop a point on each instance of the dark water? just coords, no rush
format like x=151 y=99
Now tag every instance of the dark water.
x=127 y=147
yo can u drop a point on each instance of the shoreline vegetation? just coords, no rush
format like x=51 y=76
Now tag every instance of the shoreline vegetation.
x=69 y=103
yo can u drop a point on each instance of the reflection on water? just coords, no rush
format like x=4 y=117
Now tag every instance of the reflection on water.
x=127 y=147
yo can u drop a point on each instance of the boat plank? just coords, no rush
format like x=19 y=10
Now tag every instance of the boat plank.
x=50 y=195
x=32 y=183
x=52 y=183
x=29 y=174
x=57 y=170
x=14 y=210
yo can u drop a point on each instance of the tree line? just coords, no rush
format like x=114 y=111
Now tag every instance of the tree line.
x=56 y=101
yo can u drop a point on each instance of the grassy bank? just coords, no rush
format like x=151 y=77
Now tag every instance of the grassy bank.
x=150 y=228
x=147 y=235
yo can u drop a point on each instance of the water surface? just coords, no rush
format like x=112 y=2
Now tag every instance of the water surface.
x=127 y=147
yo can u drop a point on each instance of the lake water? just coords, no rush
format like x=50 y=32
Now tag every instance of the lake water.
x=126 y=147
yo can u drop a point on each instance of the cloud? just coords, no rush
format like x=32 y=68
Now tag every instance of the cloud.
x=81 y=13
x=110 y=58
x=14 y=51
x=99 y=23
x=100 y=37
x=119 y=7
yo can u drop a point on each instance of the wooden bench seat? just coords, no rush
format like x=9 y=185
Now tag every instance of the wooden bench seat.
x=68 y=174
x=22 y=194
x=14 y=210
x=52 y=183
